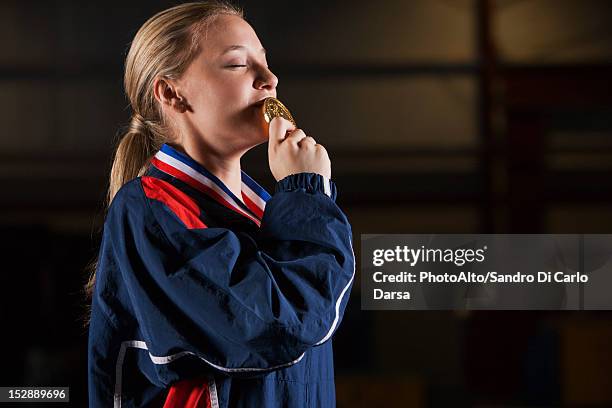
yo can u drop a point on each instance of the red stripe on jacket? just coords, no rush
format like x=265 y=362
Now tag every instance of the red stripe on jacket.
x=178 y=202
x=192 y=393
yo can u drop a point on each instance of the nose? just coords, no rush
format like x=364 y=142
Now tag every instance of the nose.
x=265 y=79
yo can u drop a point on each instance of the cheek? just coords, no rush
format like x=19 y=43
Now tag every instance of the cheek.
x=223 y=102
x=226 y=100
x=234 y=92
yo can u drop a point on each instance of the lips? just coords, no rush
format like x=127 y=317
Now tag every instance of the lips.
x=261 y=101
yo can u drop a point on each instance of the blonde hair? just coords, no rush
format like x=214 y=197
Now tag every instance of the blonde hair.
x=163 y=47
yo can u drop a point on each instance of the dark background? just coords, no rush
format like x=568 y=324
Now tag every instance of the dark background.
x=440 y=116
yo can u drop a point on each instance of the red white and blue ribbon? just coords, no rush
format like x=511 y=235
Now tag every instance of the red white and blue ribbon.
x=183 y=167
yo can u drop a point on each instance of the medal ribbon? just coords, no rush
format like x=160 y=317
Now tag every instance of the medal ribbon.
x=183 y=167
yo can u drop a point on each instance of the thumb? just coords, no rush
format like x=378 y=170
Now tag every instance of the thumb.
x=278 y=129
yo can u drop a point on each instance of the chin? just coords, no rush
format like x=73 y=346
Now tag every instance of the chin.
x=254 y=136
x=259 y=138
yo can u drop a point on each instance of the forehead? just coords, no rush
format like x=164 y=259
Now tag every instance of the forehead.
x=227 y=31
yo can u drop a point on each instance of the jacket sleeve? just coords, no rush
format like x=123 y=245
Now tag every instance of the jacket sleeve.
x=242 y=305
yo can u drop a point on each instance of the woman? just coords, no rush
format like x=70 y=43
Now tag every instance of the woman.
x=208 y=291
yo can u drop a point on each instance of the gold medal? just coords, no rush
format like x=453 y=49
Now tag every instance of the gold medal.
x=273 y=108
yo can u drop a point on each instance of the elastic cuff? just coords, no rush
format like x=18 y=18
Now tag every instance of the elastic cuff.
x=310 y=182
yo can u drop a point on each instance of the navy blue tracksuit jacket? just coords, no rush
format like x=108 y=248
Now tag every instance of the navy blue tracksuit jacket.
x=240 y=296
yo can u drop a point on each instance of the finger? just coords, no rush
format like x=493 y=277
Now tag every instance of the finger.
x=278 y=129
x=296 y=136
x=307 y=140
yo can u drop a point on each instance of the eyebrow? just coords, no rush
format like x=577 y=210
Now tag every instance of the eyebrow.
x=239 y=47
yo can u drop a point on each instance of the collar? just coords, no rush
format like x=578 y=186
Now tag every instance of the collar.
x=181 y=166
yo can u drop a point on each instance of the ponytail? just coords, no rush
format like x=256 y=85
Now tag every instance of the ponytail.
x=133 y=153
x=132 y=156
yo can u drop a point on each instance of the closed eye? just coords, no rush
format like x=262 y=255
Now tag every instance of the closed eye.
x=235 y=66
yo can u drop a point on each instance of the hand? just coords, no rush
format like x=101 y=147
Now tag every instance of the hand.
x=290 y=151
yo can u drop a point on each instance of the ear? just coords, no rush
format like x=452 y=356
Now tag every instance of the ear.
x=167 y=94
